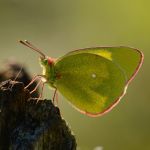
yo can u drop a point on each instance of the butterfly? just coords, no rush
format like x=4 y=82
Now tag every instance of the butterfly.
x=94 y=79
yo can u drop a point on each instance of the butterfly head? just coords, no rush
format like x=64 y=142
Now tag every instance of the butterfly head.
x=47 y=63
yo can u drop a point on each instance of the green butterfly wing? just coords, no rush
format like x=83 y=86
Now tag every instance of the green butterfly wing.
x=128 y=59
x=92 y=83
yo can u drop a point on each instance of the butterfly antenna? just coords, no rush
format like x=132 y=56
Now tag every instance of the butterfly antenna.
x=28 y=44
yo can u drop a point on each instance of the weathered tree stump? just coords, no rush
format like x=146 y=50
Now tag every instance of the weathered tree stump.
x=27 y=123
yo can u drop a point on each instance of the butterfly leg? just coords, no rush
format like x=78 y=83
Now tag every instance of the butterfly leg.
x=34 y=78
x=55 y=95
x=18 y=73
x=41 y=94
x=36 y=87
x=16 y=77
x=57 y=98
x=38 y=84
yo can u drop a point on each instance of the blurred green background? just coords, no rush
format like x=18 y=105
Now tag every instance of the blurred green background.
x=59 y=26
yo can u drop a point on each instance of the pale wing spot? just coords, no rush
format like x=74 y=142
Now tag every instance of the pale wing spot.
x=93 y=75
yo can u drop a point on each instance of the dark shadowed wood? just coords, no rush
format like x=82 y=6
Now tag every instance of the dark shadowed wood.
x=10 y=71
x=30 y=124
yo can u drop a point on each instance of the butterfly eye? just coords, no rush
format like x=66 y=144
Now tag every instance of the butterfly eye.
x=50 y=60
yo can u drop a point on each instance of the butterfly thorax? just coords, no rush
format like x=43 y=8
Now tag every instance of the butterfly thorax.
x=48 y=70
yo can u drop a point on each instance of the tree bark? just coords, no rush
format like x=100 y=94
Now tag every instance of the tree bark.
x=27 y=123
